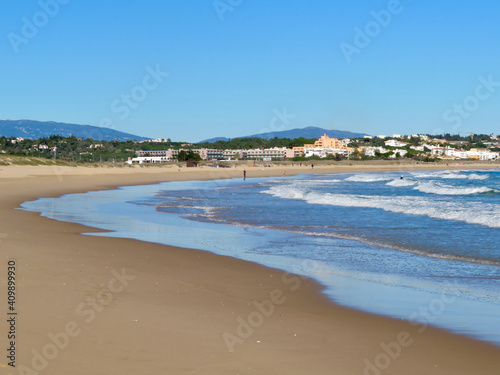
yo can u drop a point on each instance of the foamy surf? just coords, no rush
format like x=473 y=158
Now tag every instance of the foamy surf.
x=471 y=213
x=432 y=187
x=367 y=178
x=402 y=182
x=451 y=175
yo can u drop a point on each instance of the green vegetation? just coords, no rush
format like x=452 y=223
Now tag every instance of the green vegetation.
x=335 y=157
x=188 y=155
x=77 y=150
x=70 y=149
x=252 y=142
x=87 y=150
x=27 y=160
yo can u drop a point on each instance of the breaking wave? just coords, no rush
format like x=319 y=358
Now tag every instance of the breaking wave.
x=451 y=175
x=402 y=182
x=367 y=178
x=472 y=213
x=441 y=189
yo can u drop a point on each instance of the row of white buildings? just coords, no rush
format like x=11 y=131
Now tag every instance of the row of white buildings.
x=322 y=148
x=158 y=156
x=474 y=153
x=439 y=151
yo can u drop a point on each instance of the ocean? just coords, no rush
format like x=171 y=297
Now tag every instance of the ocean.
x=418 y=246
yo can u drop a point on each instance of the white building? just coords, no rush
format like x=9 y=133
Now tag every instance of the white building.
x=483 y=154
x=323 y=152
x=477 y=154
x=401 y=153
x=448 y=151
x=370 y=151
x=214 y=154
x=395 y=143
x=18 y=139
x=268 y=153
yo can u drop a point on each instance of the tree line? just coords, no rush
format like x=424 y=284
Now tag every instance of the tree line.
x=89 y=150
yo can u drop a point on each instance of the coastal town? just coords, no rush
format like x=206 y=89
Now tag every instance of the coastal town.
x=397 y=146
x=419 y=147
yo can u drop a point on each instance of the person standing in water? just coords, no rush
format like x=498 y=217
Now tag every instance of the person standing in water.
x=244 y=174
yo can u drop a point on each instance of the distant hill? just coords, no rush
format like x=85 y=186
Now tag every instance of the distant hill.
x=40 y=129
x=216 y=139
x=309 y=132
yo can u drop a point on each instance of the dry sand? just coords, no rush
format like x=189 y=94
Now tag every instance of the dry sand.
x=94 y=305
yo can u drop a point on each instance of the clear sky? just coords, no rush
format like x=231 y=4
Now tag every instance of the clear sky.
x=195 y=69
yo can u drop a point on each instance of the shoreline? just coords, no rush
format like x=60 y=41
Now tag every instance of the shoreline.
x=167 y=318
x=275 y=169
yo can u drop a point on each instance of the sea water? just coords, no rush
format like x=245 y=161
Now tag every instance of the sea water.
x=419 y=246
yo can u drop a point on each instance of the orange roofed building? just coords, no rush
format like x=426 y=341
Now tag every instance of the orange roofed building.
x=323 y=142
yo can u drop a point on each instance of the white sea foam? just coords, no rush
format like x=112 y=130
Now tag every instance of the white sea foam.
x=458 y=175
x=312 y=184
x=472 y=212
x=317 y=182
x=474 y=176
x=424 y=174
x=367 y=178
x=451 y=175
x=402 y=182
x=432 y=187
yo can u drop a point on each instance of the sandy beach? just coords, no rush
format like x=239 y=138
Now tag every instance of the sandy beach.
x=97 y=305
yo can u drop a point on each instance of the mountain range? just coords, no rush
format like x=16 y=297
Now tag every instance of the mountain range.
x=40 y=129
x=308 y=132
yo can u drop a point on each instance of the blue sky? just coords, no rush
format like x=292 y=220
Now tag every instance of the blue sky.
x=191 y=70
